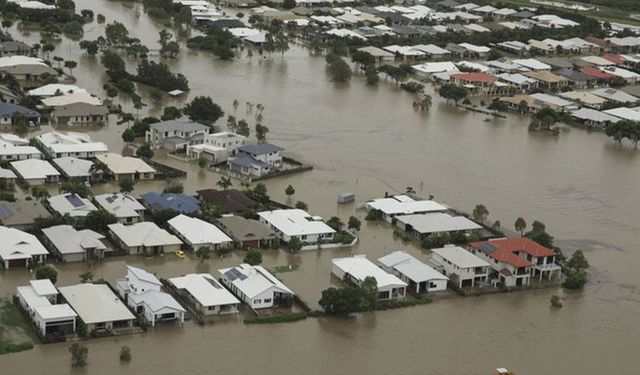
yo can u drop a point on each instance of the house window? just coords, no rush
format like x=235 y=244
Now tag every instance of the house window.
x=257 y=301
x=267 y=300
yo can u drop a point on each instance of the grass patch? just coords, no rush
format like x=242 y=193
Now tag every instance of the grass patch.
x=13 y=324
x=283 y=269
x=292 y=317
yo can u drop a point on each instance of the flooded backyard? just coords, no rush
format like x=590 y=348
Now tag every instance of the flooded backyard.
x=370 y=141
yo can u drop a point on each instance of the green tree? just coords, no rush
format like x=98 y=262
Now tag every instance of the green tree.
x=112 y=61
x=301 y=206
x=243 y=128
x=203 y=109
x=98 y=220
x=335 y=223
x=202 y=162
x=128 y=135
x=86 y=276
x=290 y=191
x=294 y=245
x=354 y=224
x=365 y=59
x=338 y=69
x=370 y=291
x=70 y=64
x=289 y=4
x=203 y=253
x=542 y=238
x=453 y=92
x=145 y=151
x=170 y=113
x=577 y=261
x=209 y=212
x=520 y=225
x=371 y=74
x=74 y=186
x=173 y=187
x=480 y=213
x=224 y=183
x=126 y=185
x=341 y=301
x=538 y=226
x=422 y=103
x=125 y=354
x=261 y=133
x=260 y=193
x=79 y=354
x=40 y=193
x=575 y=279
x=47 y=272
x=253 y=257
x=116 y=35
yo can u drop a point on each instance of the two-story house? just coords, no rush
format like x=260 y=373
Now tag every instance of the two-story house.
x=175 y=135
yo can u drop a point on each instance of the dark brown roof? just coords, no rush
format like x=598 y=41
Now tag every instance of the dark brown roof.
x=229 y=201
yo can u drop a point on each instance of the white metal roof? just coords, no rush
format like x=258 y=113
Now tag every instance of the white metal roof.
x=552 y=99
x=59 y=311
x=432 y=49
x=597 y=60
x=72 y=204
x=205 y=289
x=411 y=267
x=295 y=222
x=16 y=244
x=68 y=240
x=43 y=287
x=253 y=280
x=34 y=169
x=532 y=64
x=119 y=164
x=437 y=222
x=54 y=88
x=615 y=95
x=360 y=268
x=624 y=73
x=402 y=204
x=474 y=48
x=624 y=113
x=144 y=233
x=460 y=257
x=436 y=67
x=593 y=115
x=196 y=231
x=119 y=204
x=95 y=303
x=156 y=301
x=74 y=167
x=143 y=275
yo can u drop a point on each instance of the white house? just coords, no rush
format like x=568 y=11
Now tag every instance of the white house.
x=73 y=204
x=72 y=245
x=35 y=171
x=53 y=89
x=391 y=207
x=463 y=268
x=122 y=167
x=421 y=226
x=289 y=223
x=255 y=286
x=144 y=238
x=357 y=268
x=39 y=300
x=76 y=108
x=98 y=307
x=13 y=147
x=18 y=248
x=123 y=206
x=265 y=152
x=74 y=144
x=205 y=294
x=217 y=147
x=175 y=135
x=141 y=292
x=419 y=276
x=72 y=167
x=197 y=233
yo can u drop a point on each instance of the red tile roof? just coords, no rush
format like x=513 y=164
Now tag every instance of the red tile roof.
x=594 y=72
x=506 y=250
x=616 y=59
x=474 y=77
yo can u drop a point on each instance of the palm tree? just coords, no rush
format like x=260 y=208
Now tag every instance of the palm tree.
x=520 y=225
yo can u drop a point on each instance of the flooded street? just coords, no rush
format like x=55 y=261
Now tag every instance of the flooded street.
x=367 y=141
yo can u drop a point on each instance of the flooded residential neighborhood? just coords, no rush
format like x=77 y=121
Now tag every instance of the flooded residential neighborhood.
x=369 y=141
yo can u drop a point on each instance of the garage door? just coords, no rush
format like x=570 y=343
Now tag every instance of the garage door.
x=17 y=263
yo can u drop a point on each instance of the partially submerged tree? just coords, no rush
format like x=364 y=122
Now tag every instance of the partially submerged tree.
x=253 y=257
x=79 y=354
x=47 y=272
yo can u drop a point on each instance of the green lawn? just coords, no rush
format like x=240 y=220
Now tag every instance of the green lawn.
x=16 y=333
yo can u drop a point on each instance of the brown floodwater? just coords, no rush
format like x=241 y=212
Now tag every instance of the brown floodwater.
x=370 y=141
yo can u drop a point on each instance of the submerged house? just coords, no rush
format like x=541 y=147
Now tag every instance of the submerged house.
x=420 y=277
x=71 y=245
x=357 y=268
x=390 y=207
x=40 y=301
x=22 y=214
x=290 y=223
x=71 y=144
x=205 y=294
x=462 y=267
x=178 y=202
x=141 y=292
x=248 y=233
x=198 y=233
x=123 y=206
x=20 y=249
x=176 y=135
x=121 y=167
x=35 y=172
x=422 y=226
x=72 y=204
x=144 y=238
x=255 y=286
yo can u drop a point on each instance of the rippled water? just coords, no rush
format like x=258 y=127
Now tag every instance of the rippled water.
x=368 y=141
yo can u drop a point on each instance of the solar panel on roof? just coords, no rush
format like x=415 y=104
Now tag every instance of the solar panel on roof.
x=5 y=212
x=233 y=274
x=74 y=200
x=487 y=247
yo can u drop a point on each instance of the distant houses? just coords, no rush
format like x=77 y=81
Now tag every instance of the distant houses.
x=198 y=233
x=13 y=148
x=256 y=287
x=71 y=144
x=9 y=113
x=422 y=226
x=256 y=160
x=356 y=269
x=22 y=214
x=391 y=207
x=35 y=172
x=121 y=167
x=141 y=292
x=75 y=108
x=248 y=233
x=216 y=147
x=71 y=204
